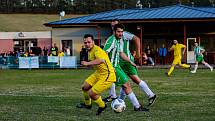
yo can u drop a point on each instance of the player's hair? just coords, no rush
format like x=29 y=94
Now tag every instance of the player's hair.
x=121 y=26
x=175 y=40
x=88 y=35
x=116 y=19
x=196 y=43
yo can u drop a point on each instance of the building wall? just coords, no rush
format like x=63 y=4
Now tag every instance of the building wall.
x=44 y=42
x=25 y=35
x=6 y=39
x=6 y=45
x=76 y=35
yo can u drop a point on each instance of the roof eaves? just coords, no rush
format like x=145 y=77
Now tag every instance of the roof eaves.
x=53 y=22
x=67 y=25
x=159 y=20
x=196 y=8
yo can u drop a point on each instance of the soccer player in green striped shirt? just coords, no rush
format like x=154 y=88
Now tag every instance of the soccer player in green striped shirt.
x=198 y=52
x=115 y=51
x=130 y=70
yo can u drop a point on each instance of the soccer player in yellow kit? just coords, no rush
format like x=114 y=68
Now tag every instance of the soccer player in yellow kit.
x=177 y=56
x=101 y=80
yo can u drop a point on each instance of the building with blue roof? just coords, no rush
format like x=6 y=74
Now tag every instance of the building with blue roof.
x=154 y=26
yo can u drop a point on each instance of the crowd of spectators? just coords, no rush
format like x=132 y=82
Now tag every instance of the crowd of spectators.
x=150 y=57
x=6 y=56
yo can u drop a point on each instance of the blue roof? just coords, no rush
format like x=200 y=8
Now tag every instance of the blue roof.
x=167 y=13
x=209 y=9
x=85 y=19
x=171 y=12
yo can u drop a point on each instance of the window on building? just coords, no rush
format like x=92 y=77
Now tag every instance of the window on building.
x=67 y=47
x=24 y=44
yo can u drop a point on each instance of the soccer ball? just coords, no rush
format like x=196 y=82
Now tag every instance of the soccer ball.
x=118 y=105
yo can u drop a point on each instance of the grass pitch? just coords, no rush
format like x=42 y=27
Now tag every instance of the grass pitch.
x=51 y=95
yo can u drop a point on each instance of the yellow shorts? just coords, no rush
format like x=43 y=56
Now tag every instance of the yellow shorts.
x=101 y=82
x=177 y=60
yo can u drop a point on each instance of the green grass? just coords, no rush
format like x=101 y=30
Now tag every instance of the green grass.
x=28 y=22
x=52 y=95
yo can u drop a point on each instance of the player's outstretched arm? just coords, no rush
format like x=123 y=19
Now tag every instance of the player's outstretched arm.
x=171 y=49
x=137 y=45
x=124 y=57
x=184 y=49
x=202 y=51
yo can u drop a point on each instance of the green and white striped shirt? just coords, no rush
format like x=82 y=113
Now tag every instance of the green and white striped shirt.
x=197 y=50
x=127 y=37
x=112 y=47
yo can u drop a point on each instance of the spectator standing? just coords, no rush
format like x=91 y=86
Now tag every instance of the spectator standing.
x=162 y=54
x=60 y=54
x=26 y=53
x=67 y=51
x=45 y=51
x=31 y=53
x=17 y=53
x=54 y=50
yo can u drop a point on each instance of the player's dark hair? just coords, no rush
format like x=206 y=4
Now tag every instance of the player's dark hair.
x=88 y=35
x=116 y=19
x=121 y=26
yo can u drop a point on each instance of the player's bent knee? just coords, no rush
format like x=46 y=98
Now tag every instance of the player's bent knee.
x=85 y=87
x=127 y=88
x=93 y=95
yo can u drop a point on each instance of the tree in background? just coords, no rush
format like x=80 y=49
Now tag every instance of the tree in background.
x=88 y=6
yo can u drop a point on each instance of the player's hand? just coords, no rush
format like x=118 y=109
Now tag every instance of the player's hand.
x=137 y=67
x=200 y=54
x=84 y=63
x=138 y=55
x=133 y=64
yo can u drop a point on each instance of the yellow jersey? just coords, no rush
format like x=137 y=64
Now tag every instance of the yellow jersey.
x=177 y=49
x=104 y=68
x=61 y=54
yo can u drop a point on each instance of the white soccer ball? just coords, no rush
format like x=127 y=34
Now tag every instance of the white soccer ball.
x=118 y=105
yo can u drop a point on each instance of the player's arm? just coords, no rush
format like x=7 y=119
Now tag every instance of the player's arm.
x=202 y=51
x=124 y=57
x=184 y=46
x=171 y=49
x=137 y=45
x=97 y=61
x=130 y=36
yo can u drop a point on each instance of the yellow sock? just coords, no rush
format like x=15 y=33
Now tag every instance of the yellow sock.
x=171 y=70
x=185 y=65
x=87 y=99
x=100 y=102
